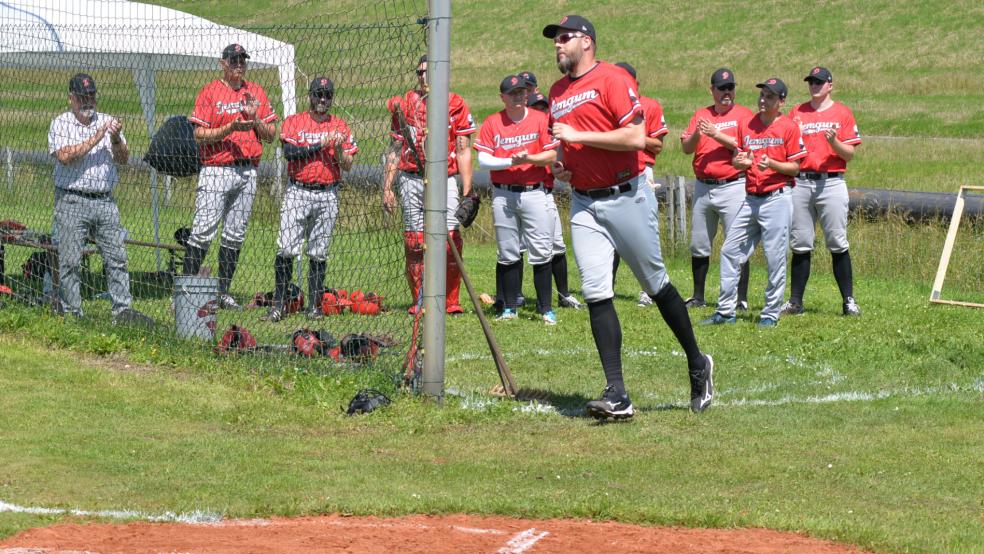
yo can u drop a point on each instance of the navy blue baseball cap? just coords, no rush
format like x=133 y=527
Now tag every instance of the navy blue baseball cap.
x=536 y=99
x=723 y=76
x=530 y=78
x=570 y=23
x=321 y=85
x=820 y=74
x=511 y=83
x=628 y=68
x=234 y=51
x=776 y=85
x=82 y=84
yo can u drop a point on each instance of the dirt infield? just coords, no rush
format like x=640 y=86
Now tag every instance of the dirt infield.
x=459 y=533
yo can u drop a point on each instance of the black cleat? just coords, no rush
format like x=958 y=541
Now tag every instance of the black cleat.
x=851 y=307
x=693 y=303
x=792 y=308
x=611 y=405
x=702 y=386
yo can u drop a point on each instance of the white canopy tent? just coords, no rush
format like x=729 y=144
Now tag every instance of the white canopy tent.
x=143 y=38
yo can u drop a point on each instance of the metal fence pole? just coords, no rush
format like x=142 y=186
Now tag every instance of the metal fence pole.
x=682 y=207
x=671 y=207
x=435 y=197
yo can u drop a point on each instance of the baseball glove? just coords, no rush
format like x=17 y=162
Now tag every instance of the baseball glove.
x=468 y=209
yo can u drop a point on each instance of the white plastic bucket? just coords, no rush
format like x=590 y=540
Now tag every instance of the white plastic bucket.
x=195 y=305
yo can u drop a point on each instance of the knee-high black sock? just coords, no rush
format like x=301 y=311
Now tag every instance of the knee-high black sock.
x=615 y=263
x=283 y=272
x=699 y=266
x=316 y=280
x=228 y=259
x=512 y=284
x=542 y=283
x=558 y=265
x=607 y=333
x=798 y=276
x=500 y=295
x=674 y=313
x=743 y=283
x=193 y=259
x=843 y=273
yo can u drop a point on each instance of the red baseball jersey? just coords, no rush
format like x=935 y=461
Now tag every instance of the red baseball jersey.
x=655 y=124
x=603 y=99
x=502 y=137
x=217 y=105
x=414 y=108
x=712 y=160
x=303 y=130
x=820 y=155
x=780 y=140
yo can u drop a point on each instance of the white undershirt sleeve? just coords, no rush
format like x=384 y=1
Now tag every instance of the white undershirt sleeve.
x=491 y=163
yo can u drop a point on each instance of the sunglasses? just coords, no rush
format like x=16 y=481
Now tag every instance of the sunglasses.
x=236 y=61
x=323 y=95
x=421 y=72
x=564 y=38
x=726 y=88
x=816 y=82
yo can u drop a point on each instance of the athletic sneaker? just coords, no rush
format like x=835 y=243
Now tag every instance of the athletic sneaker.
x=718 y=319
x=549 y=317
x=694 y=302
x=273 y=315
x=568 y=301
x=793 y=308
x=742 y=306
x=611 y=405
x=851 y=307
x=644 y=299
x=314 y=312
x=702 y=386
x=767 y=323
x=506 y=315
x=227 y=302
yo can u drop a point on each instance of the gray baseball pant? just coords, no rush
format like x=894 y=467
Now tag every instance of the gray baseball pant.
x=224 y=194
x=825 y=200
x=713 y=205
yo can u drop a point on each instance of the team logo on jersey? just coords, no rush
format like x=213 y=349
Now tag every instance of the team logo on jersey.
x=233 y=107
x=765 y=142
x=722 y=125
x=511 y=143
x=563 y=107
x=818 y=127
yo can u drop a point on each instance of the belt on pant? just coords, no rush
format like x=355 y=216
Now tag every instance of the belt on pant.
x=417 y=174
x=242 y=162
x=818 y=176
x=768 y=194
x=316 y=187
x=721 y=181
x=90 y=195
x=517 y=188
x=605 y=192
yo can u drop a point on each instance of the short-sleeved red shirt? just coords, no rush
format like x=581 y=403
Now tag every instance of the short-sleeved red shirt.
x=603 y=99
x=712 y=160
x=216 y=105
x=414 y=108
x=655 y=124
x=820 y=155
x=780 y=140
x=322 y=168
x=502 y=137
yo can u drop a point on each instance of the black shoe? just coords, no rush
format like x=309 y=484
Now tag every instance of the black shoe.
x=568 y=301
x=702 y=386
x=314 y=312
x=742 y=306
x=694 y=303
x=851 y=307
x=273 y=315
x=792 y=308
x=227 y=302
x=129 y=316
x=611 y=405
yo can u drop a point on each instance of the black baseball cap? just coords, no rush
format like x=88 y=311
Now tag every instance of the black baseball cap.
x=511 y=83
x=423 y=59
x=628 y=68
x=723 y=76
x=529 y=76
x=820 y=74
x=82 y=84
x=234 y=51
x=321 y=84
x=776 y=85
x=537 y=98
x=570 y=23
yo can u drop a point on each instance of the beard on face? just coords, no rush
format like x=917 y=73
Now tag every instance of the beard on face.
x=320 y=106
x=87 y=111
x=567 y=64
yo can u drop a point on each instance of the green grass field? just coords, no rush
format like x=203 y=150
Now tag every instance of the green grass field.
x=863 y=430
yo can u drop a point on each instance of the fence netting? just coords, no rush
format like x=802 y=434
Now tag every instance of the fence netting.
x=142 y=65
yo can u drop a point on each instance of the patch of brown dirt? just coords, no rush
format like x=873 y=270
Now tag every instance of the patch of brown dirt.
x=430 y=534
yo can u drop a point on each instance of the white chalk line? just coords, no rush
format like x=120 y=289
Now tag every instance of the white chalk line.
x=522 y=541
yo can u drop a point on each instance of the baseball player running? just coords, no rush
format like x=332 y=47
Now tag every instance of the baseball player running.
x=769 y=150
x=318 y=146
x=558 y=264
x=720 y=187
x=831 y=135
x=655 y=131
x=596 y=116
x=232 y=116
x=401 y=166
x=515 y=146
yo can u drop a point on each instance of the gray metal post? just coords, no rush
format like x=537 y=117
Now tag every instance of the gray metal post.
x=682 y=207
x=671 y=207
x=435 y=196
